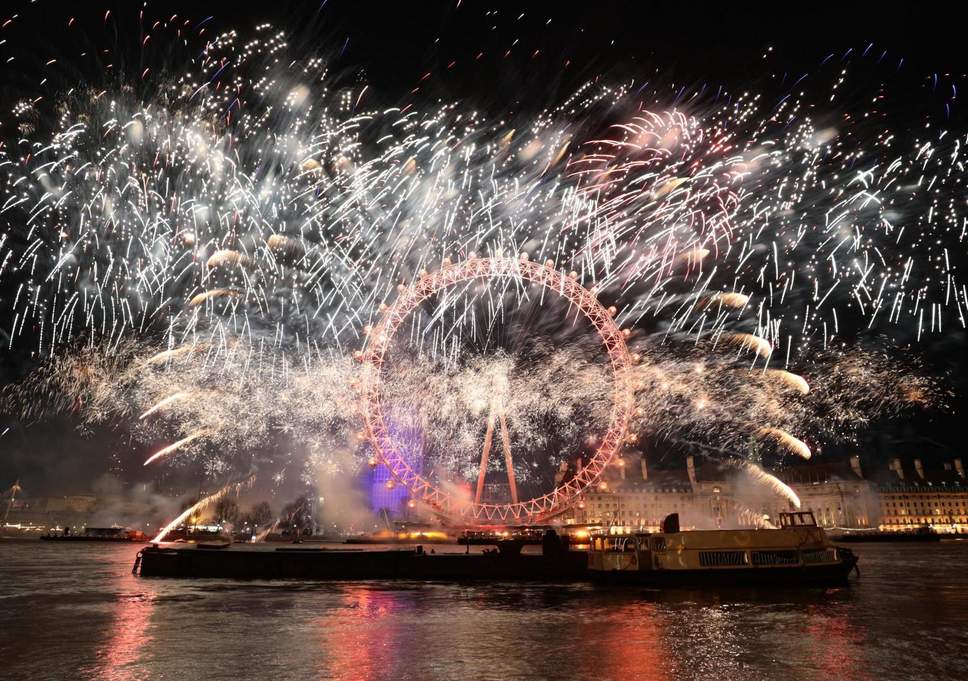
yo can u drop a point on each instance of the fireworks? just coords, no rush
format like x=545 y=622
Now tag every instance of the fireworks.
x=201 y=505
x=174 y=446
x=210 y=250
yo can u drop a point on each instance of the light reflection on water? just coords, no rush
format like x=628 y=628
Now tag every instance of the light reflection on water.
x=75 y=611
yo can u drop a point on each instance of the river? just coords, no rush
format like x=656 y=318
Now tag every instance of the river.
x=75 y=610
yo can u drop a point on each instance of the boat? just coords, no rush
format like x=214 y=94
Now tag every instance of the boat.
x=258 y=561
x=797 y=553
x=527 y=535
x=104 y=534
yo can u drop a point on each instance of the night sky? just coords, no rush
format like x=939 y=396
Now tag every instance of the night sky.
x=464 y=46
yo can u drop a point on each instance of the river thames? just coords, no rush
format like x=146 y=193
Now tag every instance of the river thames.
x=76 y=611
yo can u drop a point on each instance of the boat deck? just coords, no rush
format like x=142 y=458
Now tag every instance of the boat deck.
x=296 y=562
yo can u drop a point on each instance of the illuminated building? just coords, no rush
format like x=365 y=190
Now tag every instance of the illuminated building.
x=702 y=495
x=912 y=497
x=836 y=492
x=707 y=494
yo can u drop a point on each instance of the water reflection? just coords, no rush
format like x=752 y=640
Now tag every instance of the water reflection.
x=358 y=638
x=632 y=645
x=128 y=634
x=77 y=612
x=837 y=644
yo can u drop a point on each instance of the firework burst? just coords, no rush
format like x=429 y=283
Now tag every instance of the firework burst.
x=200 y=255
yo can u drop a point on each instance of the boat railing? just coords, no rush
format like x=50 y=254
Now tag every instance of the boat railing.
x=797 y=519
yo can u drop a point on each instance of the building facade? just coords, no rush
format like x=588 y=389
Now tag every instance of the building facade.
x=707 y=495
x=911 y=497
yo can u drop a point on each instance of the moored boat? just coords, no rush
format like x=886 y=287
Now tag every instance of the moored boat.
x=796 y=553
x=108 y=534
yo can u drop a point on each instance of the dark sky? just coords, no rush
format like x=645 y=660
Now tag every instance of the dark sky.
x=392 y=45
x=398 y=42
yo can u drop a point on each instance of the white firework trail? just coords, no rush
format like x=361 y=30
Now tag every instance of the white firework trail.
x=207 y=250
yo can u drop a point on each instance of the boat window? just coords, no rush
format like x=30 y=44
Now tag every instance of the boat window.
x=818 y=556
x=721 y=558
x=773 y=557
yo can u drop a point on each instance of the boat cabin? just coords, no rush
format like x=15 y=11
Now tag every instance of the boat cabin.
x=797 y=542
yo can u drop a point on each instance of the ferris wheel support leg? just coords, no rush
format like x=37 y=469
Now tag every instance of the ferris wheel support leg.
x=506 y=441
x=488 y=437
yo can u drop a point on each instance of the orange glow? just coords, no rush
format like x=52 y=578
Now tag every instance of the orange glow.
x=130 y=632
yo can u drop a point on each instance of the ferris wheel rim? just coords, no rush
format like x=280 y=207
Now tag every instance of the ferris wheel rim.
x=380 y=336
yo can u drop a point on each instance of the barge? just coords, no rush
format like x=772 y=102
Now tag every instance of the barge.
x=104 y=534
x=797 y=553
x=297 y=562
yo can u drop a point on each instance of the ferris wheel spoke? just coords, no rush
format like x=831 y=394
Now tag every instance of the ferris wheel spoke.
x=445 y=501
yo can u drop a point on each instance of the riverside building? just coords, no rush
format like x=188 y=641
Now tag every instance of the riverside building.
x=708 y=495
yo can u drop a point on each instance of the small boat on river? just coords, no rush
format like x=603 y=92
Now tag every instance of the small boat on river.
x=105 y=534
x=797 y=553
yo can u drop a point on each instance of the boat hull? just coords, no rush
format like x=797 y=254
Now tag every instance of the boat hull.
x=323 y=564
x=810 y=575
x=348 y=565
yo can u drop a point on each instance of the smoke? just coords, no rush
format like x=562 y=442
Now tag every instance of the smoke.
x=753 y=499
x=343 y=504
x=130 y=505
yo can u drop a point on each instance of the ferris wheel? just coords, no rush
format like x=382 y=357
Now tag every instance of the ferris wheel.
x=477 y=509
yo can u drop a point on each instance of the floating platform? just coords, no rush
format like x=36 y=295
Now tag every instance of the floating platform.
x=796 y=554
x=297 y=562
x=108 y=534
